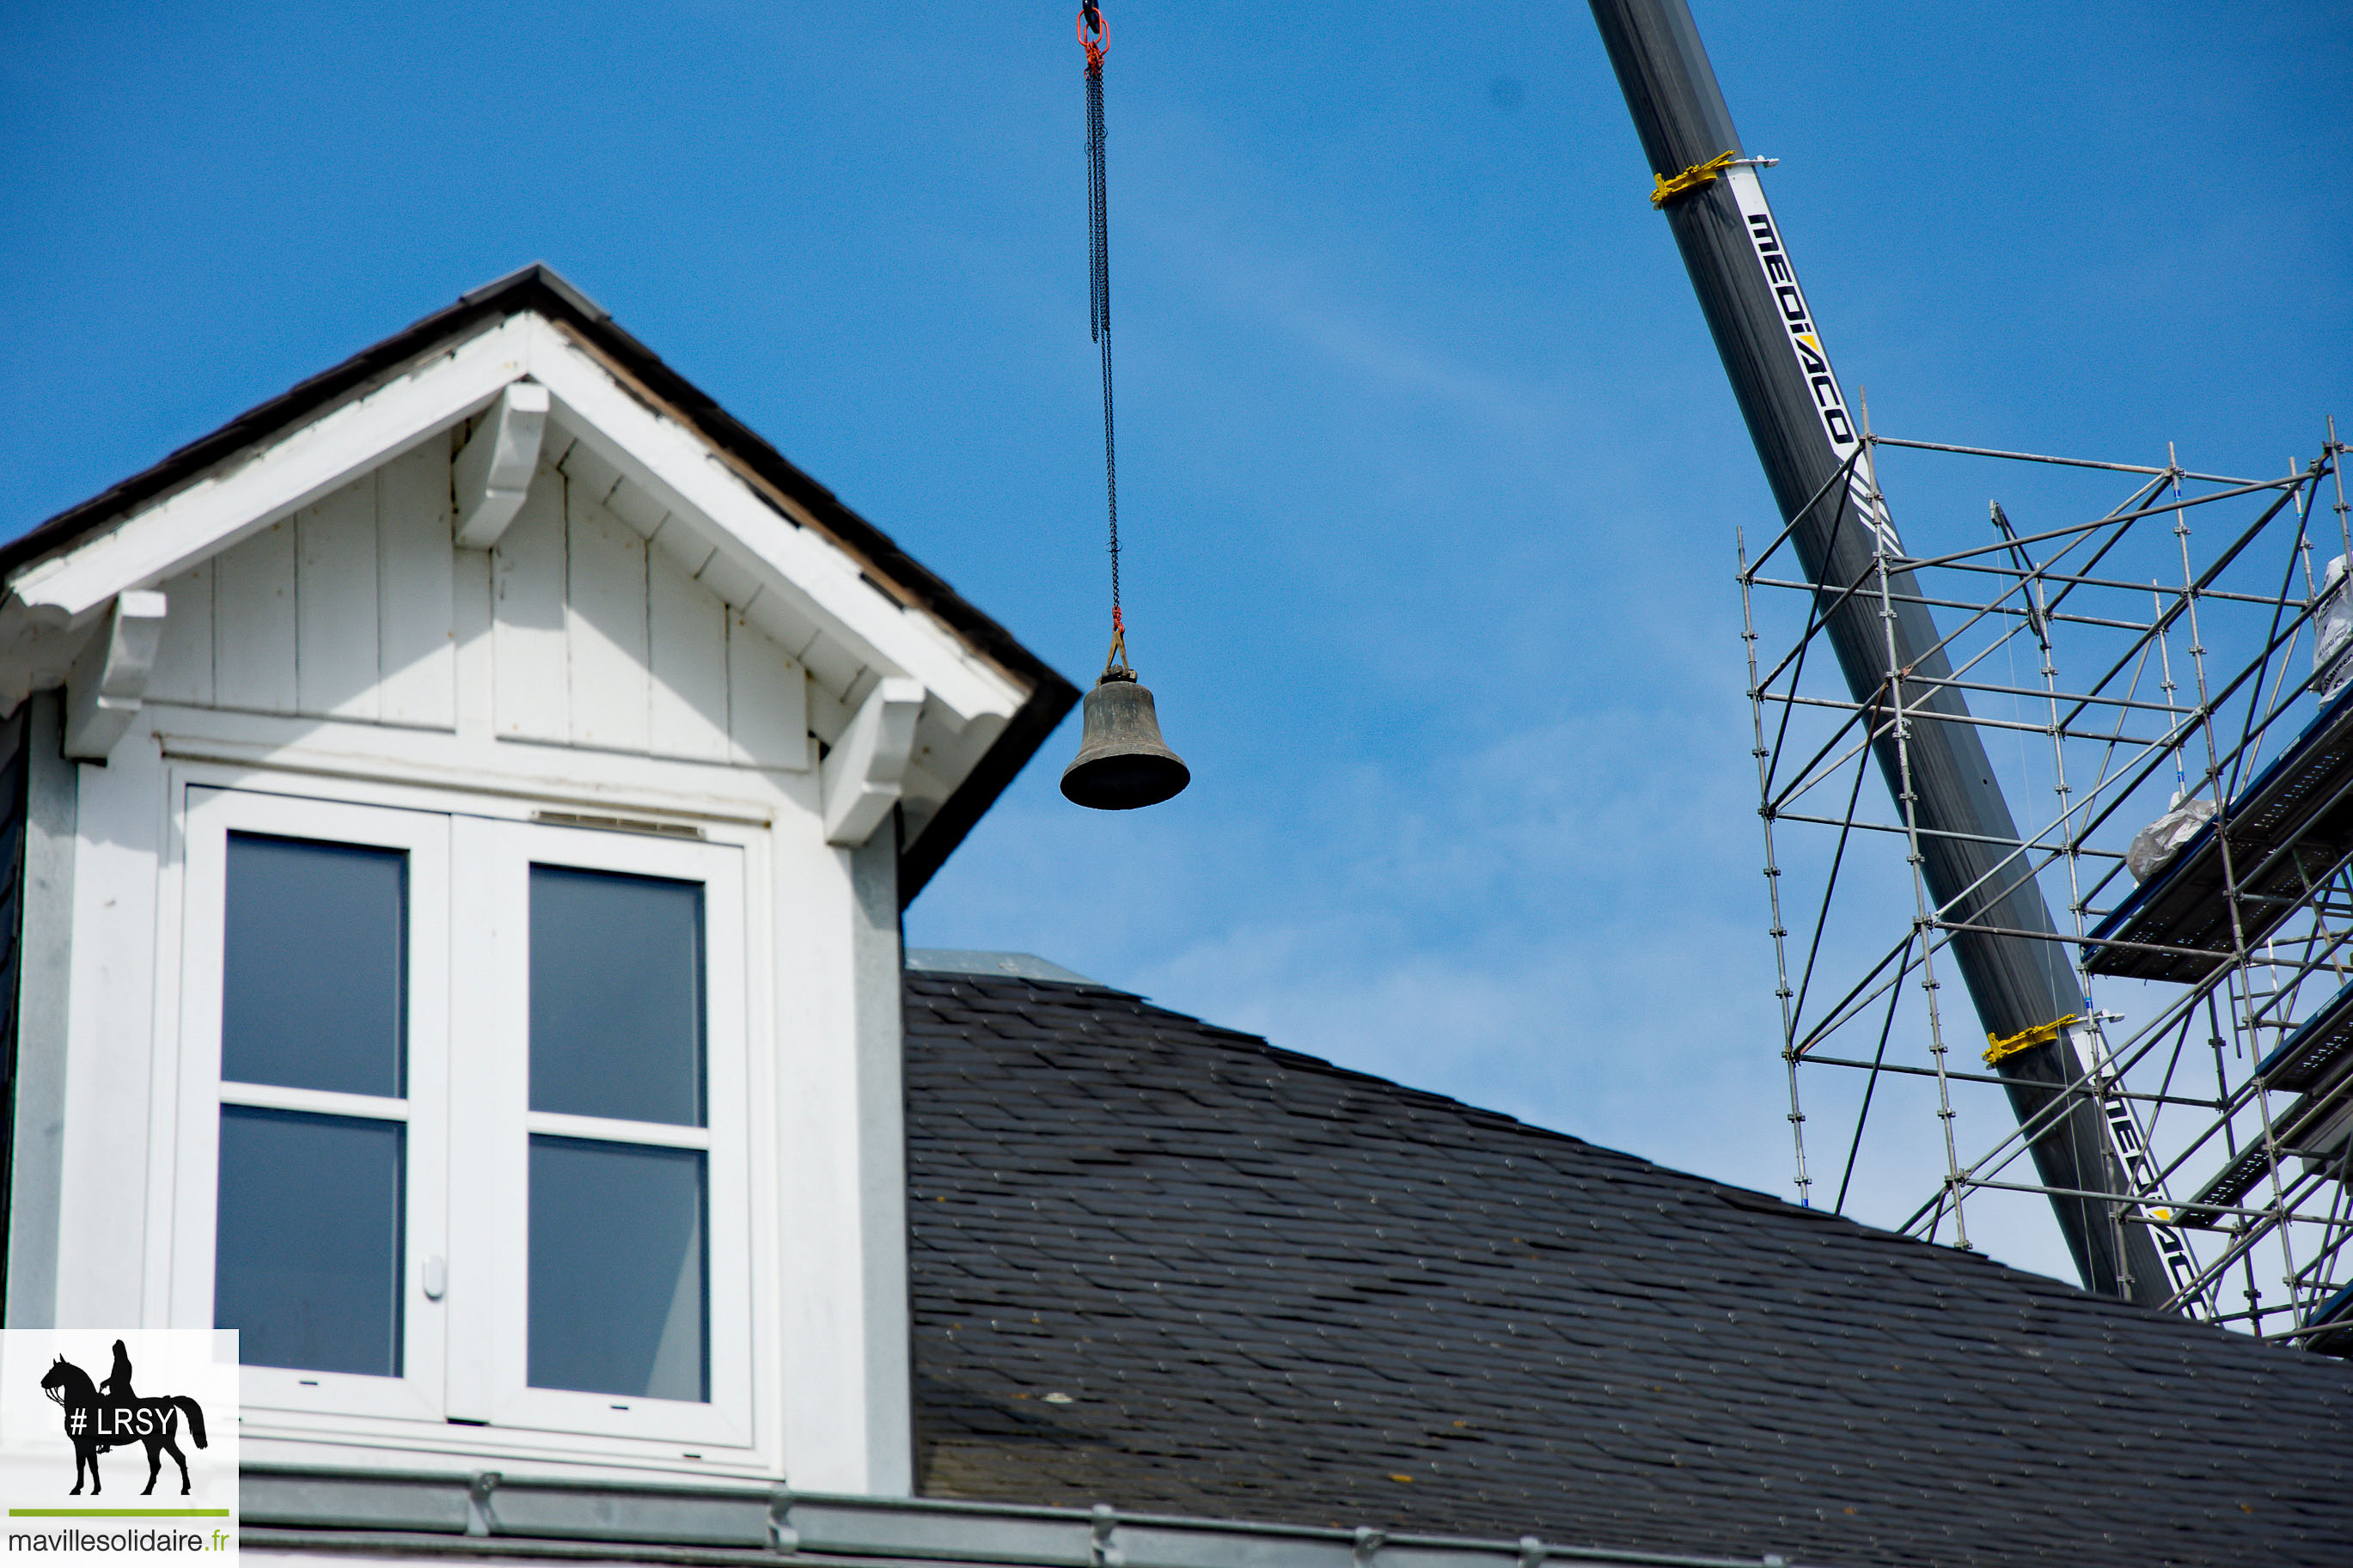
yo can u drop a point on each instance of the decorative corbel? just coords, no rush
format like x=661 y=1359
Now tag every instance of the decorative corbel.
x=863 y=773
x=493 y=473
x=109 y=682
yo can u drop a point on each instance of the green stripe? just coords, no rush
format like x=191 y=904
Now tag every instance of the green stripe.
x=118 y=1514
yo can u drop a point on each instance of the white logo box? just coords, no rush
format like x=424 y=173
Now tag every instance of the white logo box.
x=119 y=1519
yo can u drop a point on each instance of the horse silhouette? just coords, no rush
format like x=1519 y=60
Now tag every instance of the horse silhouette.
x=95 y=1423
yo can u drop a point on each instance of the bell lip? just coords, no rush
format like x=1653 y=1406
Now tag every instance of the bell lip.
x=1084 y=769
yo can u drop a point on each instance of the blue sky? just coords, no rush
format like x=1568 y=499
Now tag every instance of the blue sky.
x=1429 y=471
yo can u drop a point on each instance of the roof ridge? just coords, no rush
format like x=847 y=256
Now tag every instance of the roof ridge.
x=1691 y=1184
x=1258 y=1042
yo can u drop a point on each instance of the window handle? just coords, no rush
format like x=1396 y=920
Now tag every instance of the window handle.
x=437 y=1278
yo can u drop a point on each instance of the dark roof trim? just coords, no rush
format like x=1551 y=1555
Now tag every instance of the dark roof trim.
x=1049 y=701
x=539 y=287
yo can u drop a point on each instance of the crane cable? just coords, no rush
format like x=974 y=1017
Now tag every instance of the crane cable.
x=1093 y=37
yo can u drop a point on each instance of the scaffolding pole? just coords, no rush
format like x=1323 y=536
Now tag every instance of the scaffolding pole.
x=2190 y=684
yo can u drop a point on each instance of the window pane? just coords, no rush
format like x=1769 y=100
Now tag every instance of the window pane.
x=315 y=983
x=615 y=995
x=617 y=1284
x=307 y=1260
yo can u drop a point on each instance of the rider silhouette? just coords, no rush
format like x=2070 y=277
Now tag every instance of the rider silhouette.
x=117 y=1381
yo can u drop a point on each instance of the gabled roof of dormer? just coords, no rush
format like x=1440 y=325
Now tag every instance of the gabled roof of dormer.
x=832 y=581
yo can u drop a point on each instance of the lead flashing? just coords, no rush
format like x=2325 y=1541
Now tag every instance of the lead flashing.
x=487 y=1515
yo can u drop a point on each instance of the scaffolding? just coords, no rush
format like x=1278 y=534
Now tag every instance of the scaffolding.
x=2163 y=659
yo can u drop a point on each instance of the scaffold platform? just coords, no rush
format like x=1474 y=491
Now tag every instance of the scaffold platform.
x=2283 y=838
x=2311 y=1062
x=2312 y=1128
x=2316 y=1049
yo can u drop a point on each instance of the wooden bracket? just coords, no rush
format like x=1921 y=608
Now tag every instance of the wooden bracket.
x=493 y=473
x=109 y=680
x=863 y=773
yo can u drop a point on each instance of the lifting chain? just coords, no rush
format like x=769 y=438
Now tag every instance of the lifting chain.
x=1093 y=37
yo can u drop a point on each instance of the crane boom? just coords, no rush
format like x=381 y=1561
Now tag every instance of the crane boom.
x=1805 y=435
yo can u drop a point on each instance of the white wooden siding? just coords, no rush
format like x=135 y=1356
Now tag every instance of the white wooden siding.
x=605 y=625
x=416 y=665
x=183 y=660
x=341 y=610
x=767 y=701
x=686 y=631
x=598 y=640
x=527 y=588
x=609 y=627
x=253 y=622
x=336 y=604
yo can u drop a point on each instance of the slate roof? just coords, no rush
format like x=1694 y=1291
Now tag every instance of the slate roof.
x=1275 y=1290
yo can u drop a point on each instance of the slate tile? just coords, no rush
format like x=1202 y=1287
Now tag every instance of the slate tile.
x=1264 y=1270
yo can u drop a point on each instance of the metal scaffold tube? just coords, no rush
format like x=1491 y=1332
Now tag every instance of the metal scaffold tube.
x=2001 y=935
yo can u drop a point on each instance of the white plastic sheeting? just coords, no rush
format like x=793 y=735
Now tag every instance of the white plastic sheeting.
x=2332 y=654
x=2154 y=846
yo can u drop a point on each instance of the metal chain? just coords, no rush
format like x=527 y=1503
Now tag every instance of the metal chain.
x=1099 y=307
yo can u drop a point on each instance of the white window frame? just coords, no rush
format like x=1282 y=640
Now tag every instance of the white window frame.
x=491 y=1140
x=467 y=1156
x=212 y=815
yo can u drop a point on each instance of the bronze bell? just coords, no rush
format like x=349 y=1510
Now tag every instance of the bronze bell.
x=1123 y=762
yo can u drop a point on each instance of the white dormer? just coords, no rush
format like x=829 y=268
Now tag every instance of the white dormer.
x=467 y=803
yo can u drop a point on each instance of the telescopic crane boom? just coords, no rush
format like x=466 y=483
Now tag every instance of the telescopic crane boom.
x=1813 y=455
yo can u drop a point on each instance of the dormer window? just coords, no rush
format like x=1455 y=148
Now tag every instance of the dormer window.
x=478 y=1143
